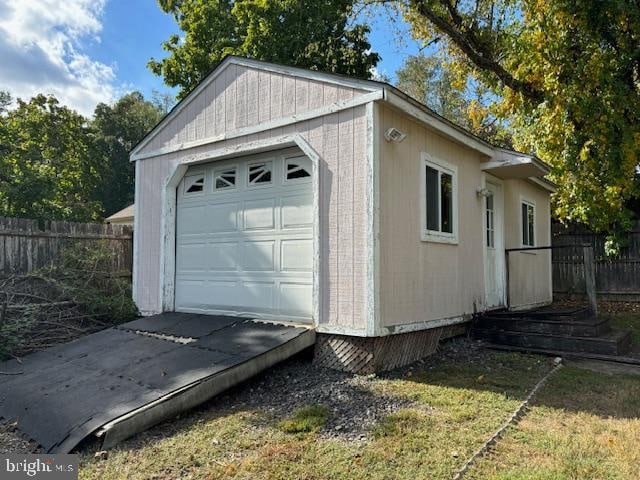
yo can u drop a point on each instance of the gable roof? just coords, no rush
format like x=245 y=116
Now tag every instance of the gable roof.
x=389 y=93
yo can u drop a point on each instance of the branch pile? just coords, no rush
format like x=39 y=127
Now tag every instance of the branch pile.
x=78 y=296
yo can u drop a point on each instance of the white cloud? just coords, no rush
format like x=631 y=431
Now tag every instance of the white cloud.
x=41 y=51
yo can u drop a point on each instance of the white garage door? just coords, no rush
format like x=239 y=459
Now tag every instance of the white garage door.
x=244 y=238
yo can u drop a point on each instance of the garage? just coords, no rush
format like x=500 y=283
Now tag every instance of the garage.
x=244 y=237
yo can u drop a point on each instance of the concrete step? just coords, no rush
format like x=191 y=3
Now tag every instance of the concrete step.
x=615 y=342
x=591 y=327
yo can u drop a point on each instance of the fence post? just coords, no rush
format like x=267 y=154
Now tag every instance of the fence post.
x=590 y=277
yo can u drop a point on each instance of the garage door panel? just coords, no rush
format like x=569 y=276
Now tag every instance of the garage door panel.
x=258 y=256
x=223 y=256
x=258 y=295
x=246 y=250
x=295 y=298
x=190 y=293
x=296 y=255
x=259 y=214
x=220 y=218
x=189 y=220
x=192 y=258
x=297 y=211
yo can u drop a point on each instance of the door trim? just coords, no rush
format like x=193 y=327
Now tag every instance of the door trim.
x=500 y=254
x=169 y=208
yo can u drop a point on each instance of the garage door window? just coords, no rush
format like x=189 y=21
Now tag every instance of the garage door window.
x=260 y=173
x=224 y=178
x=193 y=184
x=298 y=168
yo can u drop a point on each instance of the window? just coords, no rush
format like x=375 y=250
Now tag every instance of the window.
x=224 y=178
x=194 y=184
x=528 y=224
x=439 y=215
x=297 y=168
x=490 y=221
x=260 y=173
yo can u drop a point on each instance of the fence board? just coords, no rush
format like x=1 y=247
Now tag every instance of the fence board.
x=27 y=245
x=615 y=277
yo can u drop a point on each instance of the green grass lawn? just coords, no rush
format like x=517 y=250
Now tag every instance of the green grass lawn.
x=583 y=425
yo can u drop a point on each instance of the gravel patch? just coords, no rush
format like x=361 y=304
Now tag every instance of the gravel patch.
x=297 y=383
x=12 y=441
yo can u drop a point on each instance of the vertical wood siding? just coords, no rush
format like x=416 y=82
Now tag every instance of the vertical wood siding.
x=422 y=281
x=243 y=97
x=530 y=280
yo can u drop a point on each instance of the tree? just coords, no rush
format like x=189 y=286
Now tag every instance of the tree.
x=567 y=76
x=5 y=101
x=119 y=127
x=49 y=166
x=431 y=80
x=315 y=35
x=164 y=101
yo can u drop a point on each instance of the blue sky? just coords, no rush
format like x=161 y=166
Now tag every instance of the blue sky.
x=88 y=51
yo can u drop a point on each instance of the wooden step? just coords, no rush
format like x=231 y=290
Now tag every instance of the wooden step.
x=577 y=314
x=592 y=327
x=615 y=342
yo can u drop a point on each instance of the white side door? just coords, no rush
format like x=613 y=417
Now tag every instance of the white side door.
x=493 y=238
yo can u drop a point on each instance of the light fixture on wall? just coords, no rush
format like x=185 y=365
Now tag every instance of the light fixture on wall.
x=483 y=192
x=394 y=135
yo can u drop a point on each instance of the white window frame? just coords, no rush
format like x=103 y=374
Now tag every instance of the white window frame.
x=266 y=161
x=442 y=167
x=192 y=175
x=532 y=204
x=217 y=169
x=296 y=159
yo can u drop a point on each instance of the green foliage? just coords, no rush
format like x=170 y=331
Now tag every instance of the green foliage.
x=315 y=35
x=452 y=94
x=5 y=101
x=86 y=276
x=306 y=420
x=118 y=128
x=49 y=166
x=567 y=77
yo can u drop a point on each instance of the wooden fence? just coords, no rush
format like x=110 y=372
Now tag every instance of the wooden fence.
x=616 y=278
x=26 y=245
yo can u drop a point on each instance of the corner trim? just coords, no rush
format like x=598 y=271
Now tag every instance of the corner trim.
x=373 y=221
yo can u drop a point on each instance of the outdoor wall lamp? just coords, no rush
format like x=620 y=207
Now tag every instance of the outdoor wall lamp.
x=394 y=135
x=483 y=192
